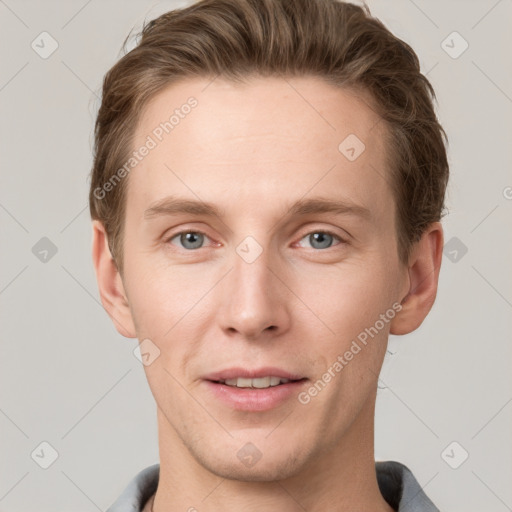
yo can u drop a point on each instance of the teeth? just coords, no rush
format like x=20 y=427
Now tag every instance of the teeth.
x=275 y=381
x=261 y=382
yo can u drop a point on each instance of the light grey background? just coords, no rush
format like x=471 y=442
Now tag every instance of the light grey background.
x=69 y=379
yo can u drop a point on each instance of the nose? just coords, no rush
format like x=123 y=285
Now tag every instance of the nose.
x=254 y=301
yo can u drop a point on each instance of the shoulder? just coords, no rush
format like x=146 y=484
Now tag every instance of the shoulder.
x=138 y=491
x=400 y=488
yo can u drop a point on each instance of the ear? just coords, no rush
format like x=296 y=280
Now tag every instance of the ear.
x=110 y=284
x=423 y=274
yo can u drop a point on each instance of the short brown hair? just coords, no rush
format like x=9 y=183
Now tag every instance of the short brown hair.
x=336 y=41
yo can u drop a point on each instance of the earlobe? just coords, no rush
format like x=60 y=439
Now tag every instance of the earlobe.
x=424 y=267
x=110 y=284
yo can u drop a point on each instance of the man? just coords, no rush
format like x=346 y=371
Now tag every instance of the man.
x=268 y=182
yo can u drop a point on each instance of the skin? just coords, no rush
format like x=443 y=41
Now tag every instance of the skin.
x=253 y=150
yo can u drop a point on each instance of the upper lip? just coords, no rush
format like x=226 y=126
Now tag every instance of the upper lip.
x=252 y=373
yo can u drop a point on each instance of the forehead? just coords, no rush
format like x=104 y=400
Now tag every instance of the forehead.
x=268 y=137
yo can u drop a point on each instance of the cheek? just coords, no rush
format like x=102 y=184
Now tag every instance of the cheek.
x=350 y=301
x=348 y=297
x=161 y=295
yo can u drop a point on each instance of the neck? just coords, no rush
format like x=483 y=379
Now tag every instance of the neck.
x=341 y=477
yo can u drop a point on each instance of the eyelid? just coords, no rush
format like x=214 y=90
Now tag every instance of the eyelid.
x=315 y=227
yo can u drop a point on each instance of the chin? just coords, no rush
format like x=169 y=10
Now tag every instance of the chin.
x=249 y=463
x=262 y=471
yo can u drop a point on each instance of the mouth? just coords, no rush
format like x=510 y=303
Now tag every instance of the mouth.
x=257 y=383
x=254 y=393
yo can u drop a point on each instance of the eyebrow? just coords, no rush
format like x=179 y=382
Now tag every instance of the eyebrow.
x=173 y=206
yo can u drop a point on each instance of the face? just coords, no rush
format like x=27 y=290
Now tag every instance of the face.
x=272 y=278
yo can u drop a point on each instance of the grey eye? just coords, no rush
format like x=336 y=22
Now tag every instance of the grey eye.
x=320 y=240
x=191 y=240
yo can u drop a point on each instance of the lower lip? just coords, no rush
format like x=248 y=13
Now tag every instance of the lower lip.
x=254 y=399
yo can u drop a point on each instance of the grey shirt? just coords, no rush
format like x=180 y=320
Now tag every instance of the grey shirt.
x=396 y=482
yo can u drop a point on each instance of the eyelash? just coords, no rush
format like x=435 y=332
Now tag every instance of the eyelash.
x=323 y=231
